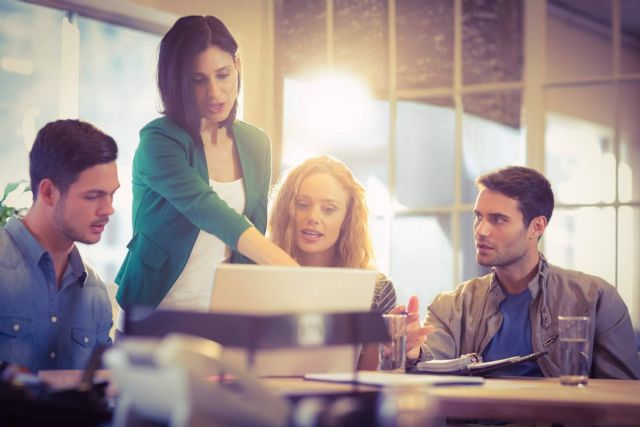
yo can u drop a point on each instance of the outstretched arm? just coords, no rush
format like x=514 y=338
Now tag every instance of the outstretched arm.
x=261 y=250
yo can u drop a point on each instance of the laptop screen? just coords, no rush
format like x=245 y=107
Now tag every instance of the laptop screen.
x=253 y=289
x=247 y=288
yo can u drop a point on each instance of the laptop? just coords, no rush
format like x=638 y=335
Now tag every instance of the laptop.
x=253 y=289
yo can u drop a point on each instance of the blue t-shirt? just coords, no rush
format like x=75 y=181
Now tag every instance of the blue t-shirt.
x=514 y=337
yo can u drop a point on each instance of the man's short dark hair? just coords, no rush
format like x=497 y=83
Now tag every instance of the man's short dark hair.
x=529 y=187
x=64 y=148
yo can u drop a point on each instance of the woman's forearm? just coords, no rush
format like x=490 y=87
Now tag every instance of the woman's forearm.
x=261 y=250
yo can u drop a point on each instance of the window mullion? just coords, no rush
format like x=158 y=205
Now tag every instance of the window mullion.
x=69 y=68
x=457 y=99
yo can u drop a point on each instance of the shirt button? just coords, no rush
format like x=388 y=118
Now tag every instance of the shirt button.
x=16 y=327
x=54 y=319
x=52 y=355
x=86 y=340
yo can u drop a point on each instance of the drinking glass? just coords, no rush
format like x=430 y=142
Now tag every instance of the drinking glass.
x=574 y=350
x=393 y=353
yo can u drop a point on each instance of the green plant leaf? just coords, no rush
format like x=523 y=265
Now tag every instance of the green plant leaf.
x=7 y=212
x=9 y=188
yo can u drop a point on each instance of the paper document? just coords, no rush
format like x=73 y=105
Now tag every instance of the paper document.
x=389 y=379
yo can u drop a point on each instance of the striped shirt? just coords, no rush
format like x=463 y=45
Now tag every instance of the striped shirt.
x=384 y=297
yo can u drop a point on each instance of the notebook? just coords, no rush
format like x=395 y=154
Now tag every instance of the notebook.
x=253 y=289
x=472 y=364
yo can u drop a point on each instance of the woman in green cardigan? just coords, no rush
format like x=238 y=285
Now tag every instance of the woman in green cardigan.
x=200 y=176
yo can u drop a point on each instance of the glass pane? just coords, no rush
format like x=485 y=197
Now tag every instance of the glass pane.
x=424 y=44
x=357 y=133
x=578 y=39
x=421 y=258
x=583 y=239
x=630 y=51
x=30 y=81
x=579 y=150
x=117 y=94
x=629 y=134
x=124 y=76
x=468 y=265
x=360 y=40
x=425 y=153
x=491 y=41
x=379 y=229
x=300 y=35
x=628 y=255
x=492 y=136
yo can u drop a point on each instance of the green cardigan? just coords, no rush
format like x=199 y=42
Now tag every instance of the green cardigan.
x=172 y=202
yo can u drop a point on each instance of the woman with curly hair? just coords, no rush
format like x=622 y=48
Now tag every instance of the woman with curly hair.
x=319 y=216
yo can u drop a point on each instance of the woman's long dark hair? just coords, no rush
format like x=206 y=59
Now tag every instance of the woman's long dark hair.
x=187 y=38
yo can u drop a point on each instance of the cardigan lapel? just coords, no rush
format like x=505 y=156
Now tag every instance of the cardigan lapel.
x=248 y=169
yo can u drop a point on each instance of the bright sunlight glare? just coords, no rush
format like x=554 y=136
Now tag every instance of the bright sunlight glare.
x=324 y=113
x=341 y=100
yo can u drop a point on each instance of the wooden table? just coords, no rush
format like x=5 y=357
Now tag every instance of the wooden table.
x=601 y=402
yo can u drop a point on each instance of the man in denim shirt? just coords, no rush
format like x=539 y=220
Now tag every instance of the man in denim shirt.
x=53 y=308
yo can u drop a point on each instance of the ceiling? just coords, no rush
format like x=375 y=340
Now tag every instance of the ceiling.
x=598 y=13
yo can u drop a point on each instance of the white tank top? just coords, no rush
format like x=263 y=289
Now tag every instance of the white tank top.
x=192 y=289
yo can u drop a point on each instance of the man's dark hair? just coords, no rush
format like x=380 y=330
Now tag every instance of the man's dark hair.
x=187 y=38
x=529 y=187
x=65 y=148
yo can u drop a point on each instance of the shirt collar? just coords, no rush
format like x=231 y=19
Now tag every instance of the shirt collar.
x=26 y=243
x=32 y=250
x=537 y=282
x=540 y=279
x=78 y=270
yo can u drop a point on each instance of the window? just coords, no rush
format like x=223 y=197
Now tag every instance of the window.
x=117 y=93
x=30 y=75
x=75 y=67
x=435 y=121
x=449 y=80
x=592 y=140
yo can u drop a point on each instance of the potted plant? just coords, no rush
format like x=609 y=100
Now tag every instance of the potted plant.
x=13 y=201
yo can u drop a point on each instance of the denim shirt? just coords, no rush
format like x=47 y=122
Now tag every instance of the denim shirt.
x=41 y=326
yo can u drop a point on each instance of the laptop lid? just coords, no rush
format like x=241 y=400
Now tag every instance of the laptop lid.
x=253 y=289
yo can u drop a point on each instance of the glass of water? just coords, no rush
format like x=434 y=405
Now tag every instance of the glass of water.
x=393 y=353
x=574 y=349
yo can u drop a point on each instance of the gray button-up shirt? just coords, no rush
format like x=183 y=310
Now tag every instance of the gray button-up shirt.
x=467 y=319
x=41 y=326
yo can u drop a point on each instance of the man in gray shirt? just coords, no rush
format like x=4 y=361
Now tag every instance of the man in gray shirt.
x=53 y=308
x=514 y=310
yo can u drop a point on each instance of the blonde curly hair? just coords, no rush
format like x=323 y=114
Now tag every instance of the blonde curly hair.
x=353 y=247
